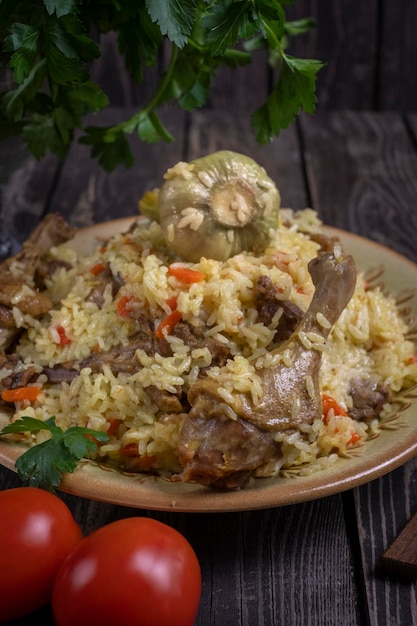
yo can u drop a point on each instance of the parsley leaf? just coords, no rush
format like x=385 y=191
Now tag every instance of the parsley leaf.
x=175 y=18
x=228 y=22
x=60 y=7
x=48 y=46
x=139 y=40
x=44 y=464
x=293 y=91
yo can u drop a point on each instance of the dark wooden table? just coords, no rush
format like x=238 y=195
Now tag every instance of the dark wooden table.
x=315 y=563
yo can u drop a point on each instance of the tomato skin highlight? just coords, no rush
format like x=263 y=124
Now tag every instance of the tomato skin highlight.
x=37 y=532
x=132 y=571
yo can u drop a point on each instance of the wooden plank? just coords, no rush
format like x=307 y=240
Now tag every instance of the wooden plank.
x=25 y=196
x=306 y=538
x=274 y=566
x=383 y=508
x=362 y=171
x=412 y=122
x=368 y=54
x=396 y=82
x=86 y=194
x=346 y=40
x=400 y=559
x=241 y=89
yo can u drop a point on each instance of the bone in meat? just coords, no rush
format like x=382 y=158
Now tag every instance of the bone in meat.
x=287 y=402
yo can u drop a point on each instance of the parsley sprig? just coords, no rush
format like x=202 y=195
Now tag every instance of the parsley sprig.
x=44 y=464
x=49 y=46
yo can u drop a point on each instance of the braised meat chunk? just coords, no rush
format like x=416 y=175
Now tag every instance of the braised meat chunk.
x=288 y=401
x=368 y=398
x=267 y=304
x=230 y=450
x=18 y=276
x=103 y=279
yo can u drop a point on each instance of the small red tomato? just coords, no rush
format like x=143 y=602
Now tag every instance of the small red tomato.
x=133 y=571
x=37 y=532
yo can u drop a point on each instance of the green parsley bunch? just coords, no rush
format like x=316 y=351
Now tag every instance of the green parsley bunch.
x=49 y=46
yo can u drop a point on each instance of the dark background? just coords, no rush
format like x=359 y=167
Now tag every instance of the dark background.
x=369 y=47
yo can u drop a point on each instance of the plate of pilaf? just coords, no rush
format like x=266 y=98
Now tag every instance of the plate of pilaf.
x=235 y=362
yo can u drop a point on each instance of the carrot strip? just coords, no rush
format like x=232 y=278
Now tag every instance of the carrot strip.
x=354 y=439
x=144 y=461
x=113 y=426
x=186 y=274
x=172 y=302
x=63 y=337
x=97 y=269
x=20 y=393
x=167 y=325
x=123 y=306
x=330 y=403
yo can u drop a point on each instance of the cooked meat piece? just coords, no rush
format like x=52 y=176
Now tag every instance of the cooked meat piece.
x=60 y=373
x=223 y=453
x=121 y=358
x=19 y=376
x=47 y=268
x=35 y=304
x=104 y=278
x=368 y=398
x=288 y=401
x=193 y=336
x=165 y=401
x=267 y=305
x=326 y=243
x=53 y=230
x=7 y=320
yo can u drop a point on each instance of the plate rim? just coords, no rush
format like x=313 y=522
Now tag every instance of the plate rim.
x=138 y=491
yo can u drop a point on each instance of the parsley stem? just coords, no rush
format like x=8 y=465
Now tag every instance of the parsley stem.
x=165 y=82
x=130 y=124
x=272 y=38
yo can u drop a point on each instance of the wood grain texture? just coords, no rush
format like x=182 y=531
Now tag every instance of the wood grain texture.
x=369 y=55
x=397 y=86
x=362 y=171
x=242 y=89
x=26 y=196
x=86 y=194
x=400 y=559
x=383 y=508
x=346 y=40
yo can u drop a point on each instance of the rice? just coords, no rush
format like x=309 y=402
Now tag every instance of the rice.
x=369 y=339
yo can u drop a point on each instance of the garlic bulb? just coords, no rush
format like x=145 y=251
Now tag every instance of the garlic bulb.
x=217 y=206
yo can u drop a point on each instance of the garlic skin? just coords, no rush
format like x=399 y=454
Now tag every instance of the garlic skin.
x=217 y=206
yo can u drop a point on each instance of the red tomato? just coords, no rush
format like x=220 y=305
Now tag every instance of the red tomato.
x=37 y=532
x=133 y=571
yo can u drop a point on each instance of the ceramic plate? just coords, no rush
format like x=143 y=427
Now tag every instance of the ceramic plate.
x=393 y=446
